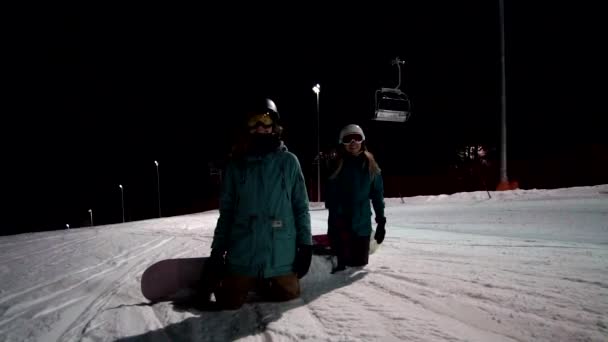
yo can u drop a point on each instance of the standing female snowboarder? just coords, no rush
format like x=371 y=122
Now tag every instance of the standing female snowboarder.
x=354 y=181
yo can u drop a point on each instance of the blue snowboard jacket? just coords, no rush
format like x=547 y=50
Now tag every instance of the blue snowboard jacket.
x=263 y=214
x=348 y=196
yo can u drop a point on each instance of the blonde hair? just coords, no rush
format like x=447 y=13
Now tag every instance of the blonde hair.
x=372 y=165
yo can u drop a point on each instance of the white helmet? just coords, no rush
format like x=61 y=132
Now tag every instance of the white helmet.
x=351 y=129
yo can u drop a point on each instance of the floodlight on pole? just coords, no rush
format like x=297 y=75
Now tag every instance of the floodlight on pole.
x=317 y=90
x=158 y=187
x=122 y=197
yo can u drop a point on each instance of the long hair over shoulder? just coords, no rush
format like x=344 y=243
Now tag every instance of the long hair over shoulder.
x=370 y=162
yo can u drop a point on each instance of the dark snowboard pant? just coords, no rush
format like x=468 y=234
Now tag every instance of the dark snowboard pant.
x=350 y=249
x=233 y=290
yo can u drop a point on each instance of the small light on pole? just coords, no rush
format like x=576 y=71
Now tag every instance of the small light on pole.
x=158 y=187
x=67 y=226
x=91 y=214
x=317 y=90
x=122 y=197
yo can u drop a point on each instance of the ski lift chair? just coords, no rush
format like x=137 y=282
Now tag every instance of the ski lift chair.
x=391 y=104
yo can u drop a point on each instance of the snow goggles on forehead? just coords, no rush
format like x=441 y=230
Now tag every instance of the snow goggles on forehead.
x=349 y=138
x=264 y=120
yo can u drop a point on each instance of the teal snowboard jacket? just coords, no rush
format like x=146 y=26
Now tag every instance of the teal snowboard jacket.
x=263 y=214
x=348 y=196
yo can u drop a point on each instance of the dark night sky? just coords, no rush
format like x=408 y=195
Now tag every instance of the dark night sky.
x=96 y=96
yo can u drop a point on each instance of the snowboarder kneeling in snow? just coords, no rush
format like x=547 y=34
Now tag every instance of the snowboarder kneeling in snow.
x=262 y=240
x=355 y=179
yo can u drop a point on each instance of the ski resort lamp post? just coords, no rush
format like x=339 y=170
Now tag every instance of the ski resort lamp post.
x=91 y=215
x=122 y=197
x=504 y=179
x=158 y=187
x=317 y=89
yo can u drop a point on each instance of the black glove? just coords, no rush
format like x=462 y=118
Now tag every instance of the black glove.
x=302 y=262
x=380 y=230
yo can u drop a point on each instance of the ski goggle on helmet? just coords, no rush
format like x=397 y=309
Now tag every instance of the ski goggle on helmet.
x=351 y=133
x=347 y=139
x=264 y=120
